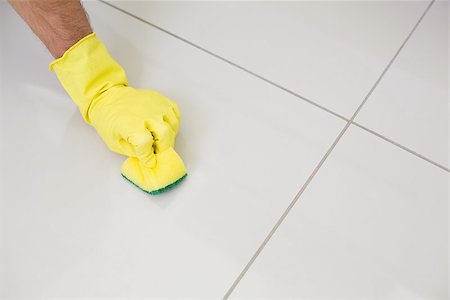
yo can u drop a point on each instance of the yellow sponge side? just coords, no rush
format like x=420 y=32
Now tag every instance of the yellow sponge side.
x=168 y=171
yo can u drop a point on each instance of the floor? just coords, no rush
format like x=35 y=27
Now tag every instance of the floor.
x=315 y=134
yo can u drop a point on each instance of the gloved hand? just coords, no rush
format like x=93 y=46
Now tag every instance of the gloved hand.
x=141 y=124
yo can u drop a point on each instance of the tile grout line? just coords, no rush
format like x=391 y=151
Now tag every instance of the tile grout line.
x=227 y=61
x=324 y=158
x=322 y=161
x=285 y=213
x=391 y=61
x=279 y=86
x=327 y=154
x=401 y=146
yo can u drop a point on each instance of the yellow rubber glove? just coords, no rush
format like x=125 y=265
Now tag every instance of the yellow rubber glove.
x=141 y=124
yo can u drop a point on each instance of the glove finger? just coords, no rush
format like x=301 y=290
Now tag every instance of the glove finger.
x=172 y=104
x=142 y=142
x=163 y=134
x=171 y=119
x=125 y=148
x=176 y=111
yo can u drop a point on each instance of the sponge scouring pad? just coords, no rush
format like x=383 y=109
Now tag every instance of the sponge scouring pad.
x=168 y=171
x=161 y=190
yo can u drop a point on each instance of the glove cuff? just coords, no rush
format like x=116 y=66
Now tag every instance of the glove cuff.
x=62 y=58
x=86 y=70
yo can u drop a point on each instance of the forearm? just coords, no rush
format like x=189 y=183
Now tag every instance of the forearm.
x=59 y=24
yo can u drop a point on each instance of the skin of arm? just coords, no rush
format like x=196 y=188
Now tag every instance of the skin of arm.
x=59 y=24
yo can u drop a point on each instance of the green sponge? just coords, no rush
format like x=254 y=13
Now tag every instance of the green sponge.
x=161 y=190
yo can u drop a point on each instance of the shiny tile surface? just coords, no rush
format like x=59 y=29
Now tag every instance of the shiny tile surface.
x=372 y=225
x=411 y=104
x=73 y=227
x=330 y=52
x=372 y=222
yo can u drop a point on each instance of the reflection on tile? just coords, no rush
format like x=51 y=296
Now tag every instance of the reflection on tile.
x=329 y=51
x=73 y=227
x=411 y=104
x=372 y=225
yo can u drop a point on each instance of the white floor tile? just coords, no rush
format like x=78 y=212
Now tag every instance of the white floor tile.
x=411 y=103
x=73 y=227
x=372 y=225
x=330 y=52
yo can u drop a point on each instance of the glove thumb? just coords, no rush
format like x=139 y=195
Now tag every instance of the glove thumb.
x=143 y=145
